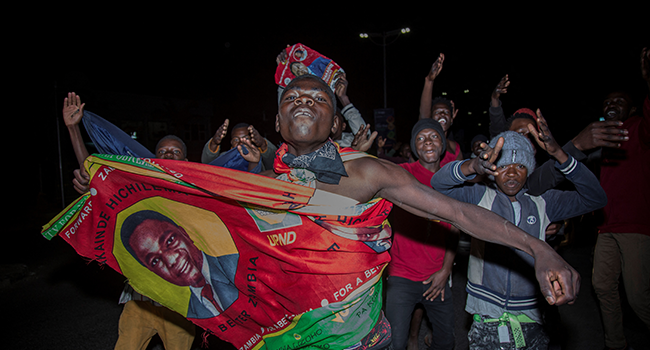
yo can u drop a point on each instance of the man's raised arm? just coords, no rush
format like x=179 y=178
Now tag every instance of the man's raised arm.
x=427 y=90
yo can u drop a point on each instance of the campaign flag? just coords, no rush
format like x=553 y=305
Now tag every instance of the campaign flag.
x=260 y=263
x=302 y=60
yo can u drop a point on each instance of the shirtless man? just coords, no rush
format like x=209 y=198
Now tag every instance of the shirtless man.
x=306 y=119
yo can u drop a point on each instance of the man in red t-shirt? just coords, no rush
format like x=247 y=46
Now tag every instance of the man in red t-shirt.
x=423 y=252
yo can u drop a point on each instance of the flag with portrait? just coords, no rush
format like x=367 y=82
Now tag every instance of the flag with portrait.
x=287 y=266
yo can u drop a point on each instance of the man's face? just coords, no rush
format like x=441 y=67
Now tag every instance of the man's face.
x=442 y=114
x=520 y=126
x=476 y=147
x=306 y=114
x=170 y=149
x=510 y=179
x=168 y=251
x=617 y=106
x=299 y=69
x=428 y=146
x=238 y=135
x=405 y=151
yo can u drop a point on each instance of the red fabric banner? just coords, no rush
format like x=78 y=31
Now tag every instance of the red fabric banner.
x=239 y=254
x=303 y=60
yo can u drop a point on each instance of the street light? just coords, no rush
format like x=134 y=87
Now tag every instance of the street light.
x=384 y=35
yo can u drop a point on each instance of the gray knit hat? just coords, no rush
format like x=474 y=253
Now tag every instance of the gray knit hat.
x=517 y=149
x=428 y=123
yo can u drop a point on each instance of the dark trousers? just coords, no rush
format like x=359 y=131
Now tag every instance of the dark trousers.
x=401 y=297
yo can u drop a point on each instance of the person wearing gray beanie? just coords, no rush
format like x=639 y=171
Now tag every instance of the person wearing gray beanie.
x=428 y=124
x=500 y=282
x=516 y=149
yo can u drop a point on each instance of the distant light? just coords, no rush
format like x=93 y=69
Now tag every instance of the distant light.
x=134 y=136
x=466 y=91
x=469 y=113
x=444 y=94
x=484 y=112
x=406 y=30
x=479 y=124
x=363 y=35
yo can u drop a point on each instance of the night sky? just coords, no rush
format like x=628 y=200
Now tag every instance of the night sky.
x=562 y=64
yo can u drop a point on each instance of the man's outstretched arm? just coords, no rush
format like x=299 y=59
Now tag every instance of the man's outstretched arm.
x=558 y=281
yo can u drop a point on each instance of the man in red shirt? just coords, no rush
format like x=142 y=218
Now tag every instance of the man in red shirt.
x=423 y=252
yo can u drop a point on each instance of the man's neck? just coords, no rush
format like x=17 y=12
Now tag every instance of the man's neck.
x=432 y=167
x=299 y=149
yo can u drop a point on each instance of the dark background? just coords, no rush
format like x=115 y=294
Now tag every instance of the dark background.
x=184 y=69
x=156 y=69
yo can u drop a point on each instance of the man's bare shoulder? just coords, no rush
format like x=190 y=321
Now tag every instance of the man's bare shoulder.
x=370 y=166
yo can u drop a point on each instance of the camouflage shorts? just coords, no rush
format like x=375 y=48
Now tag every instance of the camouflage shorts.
x=485 y=336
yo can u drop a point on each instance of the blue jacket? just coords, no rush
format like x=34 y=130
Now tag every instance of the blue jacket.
x=505 y=276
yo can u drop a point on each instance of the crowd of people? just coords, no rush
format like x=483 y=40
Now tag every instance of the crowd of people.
x=511 y=195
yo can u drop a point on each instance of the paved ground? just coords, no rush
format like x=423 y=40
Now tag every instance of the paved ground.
x=55 y=300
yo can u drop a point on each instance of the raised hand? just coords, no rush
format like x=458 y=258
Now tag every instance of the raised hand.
x=601 y=134
x=73 y=109
x=455 y=112
x=282 y=56
x=253 y=156
x=502 y=88
x=436 y=68
x=545 y=139
x=484 y=163
x=362 y=142
x=341 y=86
x=257 y=138
x=341 y=90
x=219 y=135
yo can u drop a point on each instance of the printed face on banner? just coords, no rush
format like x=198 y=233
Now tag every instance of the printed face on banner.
x=203 y=280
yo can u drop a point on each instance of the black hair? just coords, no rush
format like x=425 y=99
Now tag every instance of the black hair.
x=327 y=88
x=133 y=221
x=240 y=125
x=515 y=116
x=441 y=99
x=175 y=138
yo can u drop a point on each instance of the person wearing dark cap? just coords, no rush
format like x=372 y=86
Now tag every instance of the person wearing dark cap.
x=475 y=145
x=423 y=252
x=441 y=110
x=502 y=292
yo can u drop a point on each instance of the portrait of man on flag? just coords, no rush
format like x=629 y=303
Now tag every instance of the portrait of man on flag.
x=165 y=248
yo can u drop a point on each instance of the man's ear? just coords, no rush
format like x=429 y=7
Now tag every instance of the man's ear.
x=336 y=124
x=277 y=123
